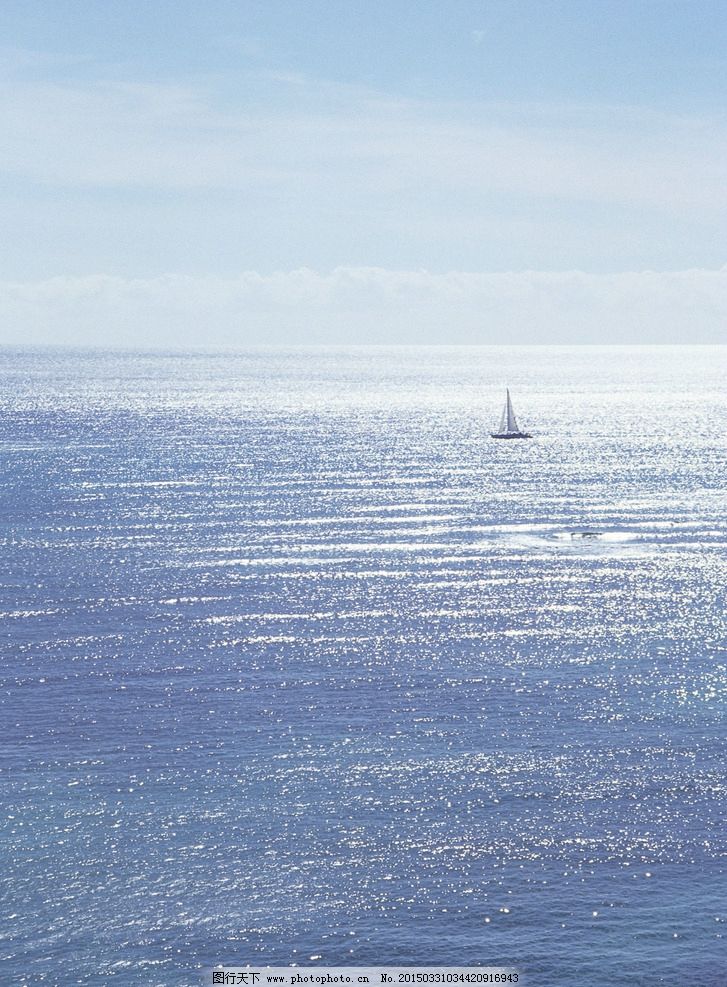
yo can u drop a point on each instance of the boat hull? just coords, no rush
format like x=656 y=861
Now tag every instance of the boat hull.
x=510 y=435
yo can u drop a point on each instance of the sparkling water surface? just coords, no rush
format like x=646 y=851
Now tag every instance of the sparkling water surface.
x=300 y=666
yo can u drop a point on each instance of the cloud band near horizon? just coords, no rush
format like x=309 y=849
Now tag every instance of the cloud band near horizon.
x=361 y=305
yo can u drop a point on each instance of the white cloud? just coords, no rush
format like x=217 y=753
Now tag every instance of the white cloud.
x=311 y=137
x=369 y=305
x=275 y=168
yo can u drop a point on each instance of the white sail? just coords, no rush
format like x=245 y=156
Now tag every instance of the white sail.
x=511 y=420
x=509 y=428
x=503 y=420
x=508 y=422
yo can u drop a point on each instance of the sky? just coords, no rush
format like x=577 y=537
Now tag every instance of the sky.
x=233 y=173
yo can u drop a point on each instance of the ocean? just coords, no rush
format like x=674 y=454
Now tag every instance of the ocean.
x=300 y=666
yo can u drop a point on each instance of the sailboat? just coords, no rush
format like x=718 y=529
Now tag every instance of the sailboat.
x=508 y=424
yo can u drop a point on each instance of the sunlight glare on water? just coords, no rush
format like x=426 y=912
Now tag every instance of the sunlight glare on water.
x=298 y=661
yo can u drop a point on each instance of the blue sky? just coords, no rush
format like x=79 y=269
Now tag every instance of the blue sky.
x=335 y=171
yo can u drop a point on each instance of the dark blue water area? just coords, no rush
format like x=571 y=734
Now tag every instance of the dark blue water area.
x=299 y=666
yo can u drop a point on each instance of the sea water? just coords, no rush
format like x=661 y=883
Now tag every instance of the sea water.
x=300 y=666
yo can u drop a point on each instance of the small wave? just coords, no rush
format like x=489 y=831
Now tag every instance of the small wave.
x=587 y=534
